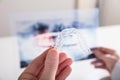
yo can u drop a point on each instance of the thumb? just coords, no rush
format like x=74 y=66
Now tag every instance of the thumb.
x=51 y=65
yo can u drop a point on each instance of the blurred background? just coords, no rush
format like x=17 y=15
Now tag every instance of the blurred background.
x=109 y=9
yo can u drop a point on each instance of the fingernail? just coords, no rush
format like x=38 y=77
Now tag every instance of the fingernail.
x=52 y=51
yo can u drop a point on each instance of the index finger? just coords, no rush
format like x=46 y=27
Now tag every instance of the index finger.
x=99 y=54
x=107 y=50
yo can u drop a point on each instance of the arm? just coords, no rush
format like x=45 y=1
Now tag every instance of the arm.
x=115 y=75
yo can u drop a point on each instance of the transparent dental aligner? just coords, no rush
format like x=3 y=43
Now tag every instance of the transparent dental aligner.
x=72 y=42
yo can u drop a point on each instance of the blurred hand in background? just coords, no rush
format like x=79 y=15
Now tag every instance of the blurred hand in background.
x=106 y=58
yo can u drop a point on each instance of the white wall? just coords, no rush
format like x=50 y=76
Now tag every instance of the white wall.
x=87 y=3
x=10 y=6
x=109 y=12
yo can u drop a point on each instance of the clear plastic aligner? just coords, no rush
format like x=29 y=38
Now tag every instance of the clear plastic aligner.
x=72 y=42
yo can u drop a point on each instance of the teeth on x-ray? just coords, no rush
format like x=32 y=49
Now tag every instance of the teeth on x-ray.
x=72 y=42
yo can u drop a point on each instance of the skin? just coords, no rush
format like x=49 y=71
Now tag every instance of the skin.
x=50 y=65
x=106 y=58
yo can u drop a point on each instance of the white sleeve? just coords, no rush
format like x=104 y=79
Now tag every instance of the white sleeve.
x=115 y=75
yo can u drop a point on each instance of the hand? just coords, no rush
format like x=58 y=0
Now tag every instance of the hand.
x=107 y=58
x=48 y=66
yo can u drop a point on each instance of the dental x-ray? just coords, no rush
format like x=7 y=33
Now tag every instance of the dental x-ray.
x=73 y=32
